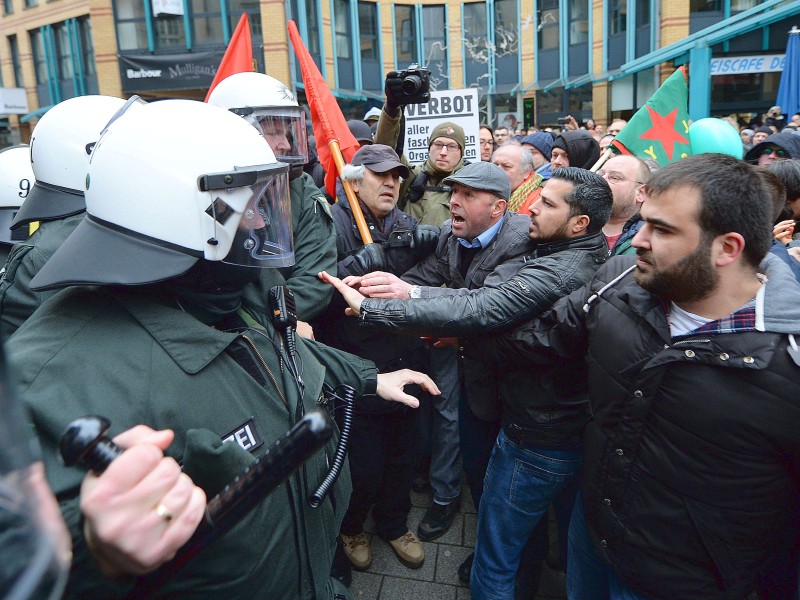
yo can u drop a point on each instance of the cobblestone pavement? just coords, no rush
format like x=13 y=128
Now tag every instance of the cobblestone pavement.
x=437 y=579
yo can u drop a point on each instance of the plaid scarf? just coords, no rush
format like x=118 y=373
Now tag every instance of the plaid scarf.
x=523 y=191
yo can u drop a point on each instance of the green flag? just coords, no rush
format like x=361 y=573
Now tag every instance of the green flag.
x=660 y=129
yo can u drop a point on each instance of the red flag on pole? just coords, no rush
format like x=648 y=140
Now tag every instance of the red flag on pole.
x=326 y=116
x=238 y=56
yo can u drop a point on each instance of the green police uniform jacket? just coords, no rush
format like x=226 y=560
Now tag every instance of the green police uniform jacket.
x=314 y=248
x=17 y=299
x=135 y=360
x=433 y=208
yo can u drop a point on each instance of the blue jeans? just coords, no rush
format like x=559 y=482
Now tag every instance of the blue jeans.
x=519 y=486
x=588 y=577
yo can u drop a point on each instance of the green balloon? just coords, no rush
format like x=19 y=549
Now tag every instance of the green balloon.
x=715 y=135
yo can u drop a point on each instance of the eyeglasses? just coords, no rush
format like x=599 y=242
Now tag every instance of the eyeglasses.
x=487 y=142
x=437 y=147
x=779 y=152
x=615 y=177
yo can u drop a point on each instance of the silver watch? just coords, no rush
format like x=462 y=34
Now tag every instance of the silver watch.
x=414 y=292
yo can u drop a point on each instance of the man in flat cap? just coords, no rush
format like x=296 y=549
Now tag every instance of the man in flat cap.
x=539 y=413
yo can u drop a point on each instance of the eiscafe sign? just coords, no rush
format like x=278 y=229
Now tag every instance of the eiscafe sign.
x=144 y=73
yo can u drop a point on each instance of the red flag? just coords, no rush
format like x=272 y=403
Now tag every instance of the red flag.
x=326 y=116
x=238 y=56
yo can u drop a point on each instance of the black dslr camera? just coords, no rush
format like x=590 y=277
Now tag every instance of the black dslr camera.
x=409 y=86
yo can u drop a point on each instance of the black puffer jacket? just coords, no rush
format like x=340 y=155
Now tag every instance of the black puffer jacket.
x=692 y=458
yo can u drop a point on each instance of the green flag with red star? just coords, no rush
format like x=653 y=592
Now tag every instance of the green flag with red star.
x=660 y=129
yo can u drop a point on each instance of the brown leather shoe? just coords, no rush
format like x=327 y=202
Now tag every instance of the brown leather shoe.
x=357 y=550
x=409 y=550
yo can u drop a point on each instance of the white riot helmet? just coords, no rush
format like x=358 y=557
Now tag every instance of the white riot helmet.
x=16 y=179
x=169 y=184
x=60 y=147
x=270 y=107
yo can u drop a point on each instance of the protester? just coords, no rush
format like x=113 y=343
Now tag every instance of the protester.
x=566 y=225
x=165 y=331
x=775 y=119
x=616 y=126
x=778 y=146
x=761 y=133
x=500 y=135
x=627 y=176
x=383 y=449
x=541 y=145
x=690 y=482
x=272 y=109
x=481 y=192
x=574 y=149
x=526 y=185
x=486 y=142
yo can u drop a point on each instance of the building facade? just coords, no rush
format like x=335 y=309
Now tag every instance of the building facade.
x=531 y=60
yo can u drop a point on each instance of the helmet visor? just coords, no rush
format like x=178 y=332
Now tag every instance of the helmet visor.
x=284 y=128
x=263 y=236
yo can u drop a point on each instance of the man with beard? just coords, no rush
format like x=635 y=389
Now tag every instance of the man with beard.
x=566 y=224
x=690 y=474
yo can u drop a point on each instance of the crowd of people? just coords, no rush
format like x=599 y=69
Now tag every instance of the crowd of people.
x=605 y=339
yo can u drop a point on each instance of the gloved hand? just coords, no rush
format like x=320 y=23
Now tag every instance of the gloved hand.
x=395 y=97
x=368 y=258
x=424 y=239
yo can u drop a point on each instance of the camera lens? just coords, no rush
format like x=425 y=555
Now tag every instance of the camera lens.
x=411 y=84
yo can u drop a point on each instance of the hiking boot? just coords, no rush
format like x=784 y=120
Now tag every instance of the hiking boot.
x=437 y=520
x=465 y=569
x=409 y=550
x=357 y=550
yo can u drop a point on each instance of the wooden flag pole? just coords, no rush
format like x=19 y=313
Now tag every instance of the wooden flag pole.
x=361 y=223
x=602 y=160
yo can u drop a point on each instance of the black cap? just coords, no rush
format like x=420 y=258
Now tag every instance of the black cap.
x=380 y=158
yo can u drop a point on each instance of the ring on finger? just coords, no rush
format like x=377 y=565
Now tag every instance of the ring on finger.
x=163 y=512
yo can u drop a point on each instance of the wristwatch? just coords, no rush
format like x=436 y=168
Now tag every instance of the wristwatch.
x=414 y=292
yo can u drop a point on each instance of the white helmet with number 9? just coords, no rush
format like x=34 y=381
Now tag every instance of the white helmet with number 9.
x=60 y=147
x=16 y=179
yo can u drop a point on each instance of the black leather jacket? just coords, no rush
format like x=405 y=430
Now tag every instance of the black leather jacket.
x=513 y=293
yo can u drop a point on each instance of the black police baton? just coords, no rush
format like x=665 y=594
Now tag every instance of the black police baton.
x=84 y=443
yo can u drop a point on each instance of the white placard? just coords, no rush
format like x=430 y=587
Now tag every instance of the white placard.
x=13 y=101
x=167 y=7
x=455 y=106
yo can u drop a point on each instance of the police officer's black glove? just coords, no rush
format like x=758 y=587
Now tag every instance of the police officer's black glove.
x=423 y=240
x=395 y=97
x=367 y=259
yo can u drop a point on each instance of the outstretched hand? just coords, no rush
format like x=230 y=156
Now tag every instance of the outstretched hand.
x=390 y=386
x=351 y=296
x=380 y=284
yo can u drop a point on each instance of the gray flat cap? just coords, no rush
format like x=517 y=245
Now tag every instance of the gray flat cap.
x=482 y=176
